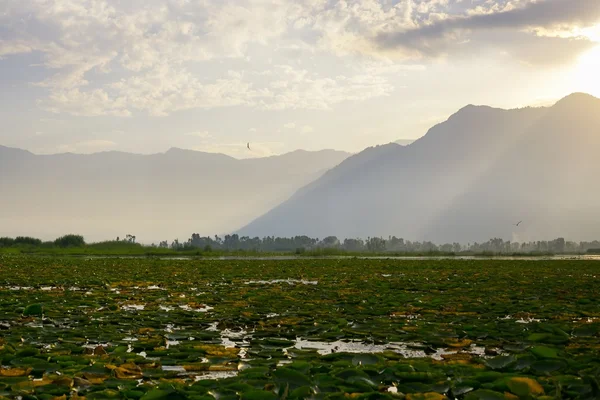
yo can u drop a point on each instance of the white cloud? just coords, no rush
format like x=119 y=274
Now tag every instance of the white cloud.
x=111 y=58
x=307 y=129
x=200 y=134
x=555 y=18
x=91 y=103
x=158 y=57
x=297 y=128
x=10 y=48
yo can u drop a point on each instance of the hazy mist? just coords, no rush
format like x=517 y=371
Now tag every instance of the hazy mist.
x=155 y=197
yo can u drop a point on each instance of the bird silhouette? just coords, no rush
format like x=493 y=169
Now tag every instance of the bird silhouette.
x=518 y=223
x=248 y=145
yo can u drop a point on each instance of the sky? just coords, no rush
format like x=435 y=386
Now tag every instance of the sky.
x=212 y=75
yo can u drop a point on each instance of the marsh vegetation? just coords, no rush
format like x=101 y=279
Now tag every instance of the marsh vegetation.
x=179 y=329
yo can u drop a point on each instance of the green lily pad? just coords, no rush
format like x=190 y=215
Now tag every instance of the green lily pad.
x=525 y=387
x=259 y=395
x=501 y=362
x=34 y=310
x=544 y=352
x=484 y=394
x=290 y=376
x=547 y=366
x=365 y=359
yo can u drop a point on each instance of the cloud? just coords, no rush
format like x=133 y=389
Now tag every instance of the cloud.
x=295 y=127
x=10 y=48
x=121 y=58
x=535 y=50
x=164 y=90
x=90 y=103
x=200 y=134
x=543 y=18
x=157 y=57
x=307 y=129
x=294 y=88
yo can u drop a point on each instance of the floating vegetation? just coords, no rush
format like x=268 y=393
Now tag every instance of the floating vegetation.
x=288 y=281
x=298 y=329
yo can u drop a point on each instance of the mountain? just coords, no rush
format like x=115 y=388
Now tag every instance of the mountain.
x=155 y=197
x=468 y=179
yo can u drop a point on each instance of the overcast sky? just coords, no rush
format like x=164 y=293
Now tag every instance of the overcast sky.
x=146 y=75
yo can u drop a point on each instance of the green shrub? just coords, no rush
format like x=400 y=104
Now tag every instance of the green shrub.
x=70 y=241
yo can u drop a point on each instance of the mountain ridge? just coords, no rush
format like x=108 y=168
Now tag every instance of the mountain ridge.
x=410 y=191
x=175 y=150
x=157 y=197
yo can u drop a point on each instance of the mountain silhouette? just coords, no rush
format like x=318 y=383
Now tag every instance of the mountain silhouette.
x=468 y=179
x=155 y=197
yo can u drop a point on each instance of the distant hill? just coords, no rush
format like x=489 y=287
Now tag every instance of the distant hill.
x=155 y=197
x=469 y=178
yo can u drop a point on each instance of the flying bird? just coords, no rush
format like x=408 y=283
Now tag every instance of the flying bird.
x=248 y=145
x=518 y=223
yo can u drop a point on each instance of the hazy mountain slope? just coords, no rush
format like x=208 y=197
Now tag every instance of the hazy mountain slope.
x=159 y=196
x=547 y=179
x=481 y=158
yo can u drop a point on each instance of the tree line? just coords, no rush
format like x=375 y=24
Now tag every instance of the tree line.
x=375 y=245
x=63 y=241
x=302 y=244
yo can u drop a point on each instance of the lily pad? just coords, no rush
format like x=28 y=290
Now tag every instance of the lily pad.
x=544 y=352
x=501 y=362
x=34 y=310
x=524 y=387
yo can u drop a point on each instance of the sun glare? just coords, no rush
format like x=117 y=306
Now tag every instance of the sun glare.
x=592 y=33
x=586 y=73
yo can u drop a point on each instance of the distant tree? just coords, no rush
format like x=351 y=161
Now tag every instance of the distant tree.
x=395 y=244
x=231 y=242
x=330 y=242
x=571 y=247
x=6 y=242
x=376 y=245
x=557 y=245
x=456 y=248
x=70 y=241
x=26 y=240
x=299 y=244
x=355 y=245
x=446 y=248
